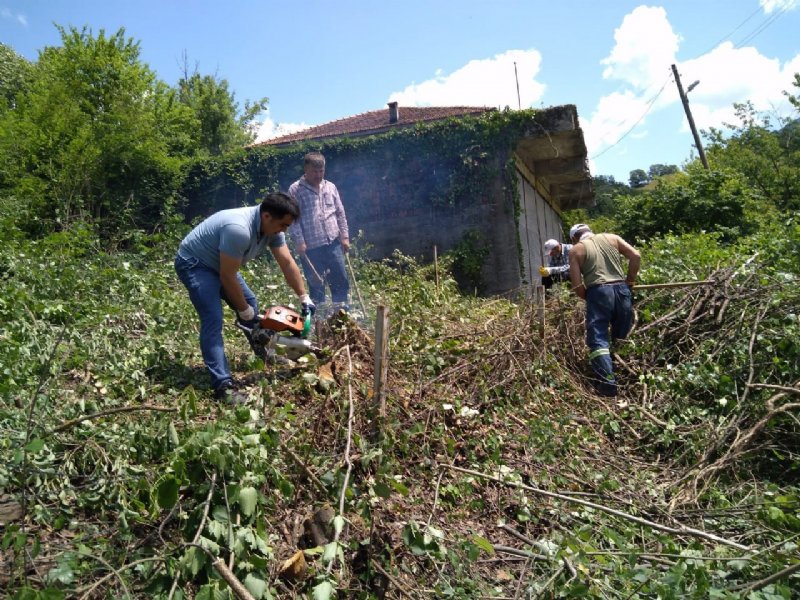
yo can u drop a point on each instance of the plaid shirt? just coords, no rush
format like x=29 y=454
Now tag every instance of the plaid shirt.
x=559 y=265
x=322 y=219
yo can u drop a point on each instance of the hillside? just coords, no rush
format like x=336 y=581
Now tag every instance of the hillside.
x=497 y=473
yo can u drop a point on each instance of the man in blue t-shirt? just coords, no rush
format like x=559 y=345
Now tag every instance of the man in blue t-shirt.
x=208 y=263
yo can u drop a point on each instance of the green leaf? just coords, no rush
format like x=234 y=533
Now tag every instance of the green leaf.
x=167 y=494
x=329 y=553
x=248 y=497
x=382 y=490
x=323 y=591
x=399 y=487
x=35 y=446
x=173 y=435
x=338 y=524
x=483 y=544
x=255 y=585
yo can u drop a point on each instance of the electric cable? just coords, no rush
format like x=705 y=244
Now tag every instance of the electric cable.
x=643 y=115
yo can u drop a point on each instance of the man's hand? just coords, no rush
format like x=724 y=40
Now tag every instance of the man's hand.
x=308 y=307
x=247 y=317
x=544 y=271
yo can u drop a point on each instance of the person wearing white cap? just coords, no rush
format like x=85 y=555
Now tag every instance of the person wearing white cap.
x=597 y=275
x=557 y=268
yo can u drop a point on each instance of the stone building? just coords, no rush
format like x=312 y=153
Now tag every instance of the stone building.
x=419 y=178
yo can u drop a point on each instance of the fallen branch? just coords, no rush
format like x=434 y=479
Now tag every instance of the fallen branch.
x=757 y=585
x=674 y=284
x=198 y=532
x=682 y=530
x=112 y=411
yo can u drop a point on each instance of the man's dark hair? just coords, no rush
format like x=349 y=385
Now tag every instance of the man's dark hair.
x=315 y=159
x=278 y=205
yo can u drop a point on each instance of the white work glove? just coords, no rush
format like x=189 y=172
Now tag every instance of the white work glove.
x=308 y=307
x=246 y=315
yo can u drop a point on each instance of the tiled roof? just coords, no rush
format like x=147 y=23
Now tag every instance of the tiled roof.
x=377 y=121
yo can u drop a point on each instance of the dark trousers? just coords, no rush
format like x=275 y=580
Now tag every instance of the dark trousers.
x=607 y=306
x=325 y=264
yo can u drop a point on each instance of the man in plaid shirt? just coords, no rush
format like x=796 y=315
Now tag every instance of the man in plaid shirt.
x=558 y=263
x=320 y=234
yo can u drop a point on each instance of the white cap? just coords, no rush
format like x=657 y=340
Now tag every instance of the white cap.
x=549 y=245
x=578 y=228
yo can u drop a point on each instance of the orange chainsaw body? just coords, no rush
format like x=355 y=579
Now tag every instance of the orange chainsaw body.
x=283 y=318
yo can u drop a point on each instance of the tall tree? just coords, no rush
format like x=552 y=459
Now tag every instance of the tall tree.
x=221 y=127
x=15 y=74
x=638 y=178
x=91 y=135
x=767 y=154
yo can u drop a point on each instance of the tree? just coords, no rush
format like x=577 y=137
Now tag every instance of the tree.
x=715 y=201
x=659 y=170
x=90 y=137
x=638 y=178
x=15 y=73
x=220 y=127
x=767 y=155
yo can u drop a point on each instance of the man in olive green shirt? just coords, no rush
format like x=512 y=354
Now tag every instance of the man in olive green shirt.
x=598 y=276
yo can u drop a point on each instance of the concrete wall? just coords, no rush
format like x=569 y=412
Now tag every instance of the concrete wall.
x=411 y=203
x=408 y=210
x=538 y=222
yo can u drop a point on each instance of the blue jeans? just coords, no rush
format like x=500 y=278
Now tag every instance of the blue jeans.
x=205 y=292
x=326 y=264
x=607 y=306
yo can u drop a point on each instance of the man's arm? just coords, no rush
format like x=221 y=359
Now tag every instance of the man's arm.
x=576 y=258
x=289 y=269
x=341 y=220
x=634 y=259
x=228 y=268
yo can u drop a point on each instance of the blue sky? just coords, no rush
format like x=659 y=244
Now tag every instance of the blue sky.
x=319 y=60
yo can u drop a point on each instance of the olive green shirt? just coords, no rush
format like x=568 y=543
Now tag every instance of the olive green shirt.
x=603 y=263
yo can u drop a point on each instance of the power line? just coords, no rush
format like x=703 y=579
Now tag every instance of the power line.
x=730 y=33
x=767 y=22
x=644 y=114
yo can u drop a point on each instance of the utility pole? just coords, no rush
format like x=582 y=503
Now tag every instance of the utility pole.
x=685 y=101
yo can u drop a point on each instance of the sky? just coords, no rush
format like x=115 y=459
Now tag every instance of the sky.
x=318 y=61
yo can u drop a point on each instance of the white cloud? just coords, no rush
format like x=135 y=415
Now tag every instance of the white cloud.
x=269 y=129
x=18 y=17
x=484 y=82
x=645 y=48
x=729 y=75
x=780 y=5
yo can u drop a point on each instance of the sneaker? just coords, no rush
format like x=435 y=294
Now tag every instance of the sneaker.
x=228 y=394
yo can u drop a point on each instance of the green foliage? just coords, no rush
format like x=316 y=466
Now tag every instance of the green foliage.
x=218 y=127
x=767 y=156
x=638 y=178
x=716 y=201
x=15 y=73
x=85 y=143
x=468 y=257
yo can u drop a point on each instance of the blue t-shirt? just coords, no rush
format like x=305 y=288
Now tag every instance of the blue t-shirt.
x=234 y=231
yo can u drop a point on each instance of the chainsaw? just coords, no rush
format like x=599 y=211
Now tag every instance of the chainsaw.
x=281 y=326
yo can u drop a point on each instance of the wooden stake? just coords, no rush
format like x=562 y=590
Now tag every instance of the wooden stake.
x=540 y=308
x=381 y=360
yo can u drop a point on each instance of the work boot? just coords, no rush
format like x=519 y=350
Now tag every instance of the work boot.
x=228 y=394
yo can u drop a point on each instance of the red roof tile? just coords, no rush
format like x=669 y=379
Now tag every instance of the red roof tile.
x=376 y=121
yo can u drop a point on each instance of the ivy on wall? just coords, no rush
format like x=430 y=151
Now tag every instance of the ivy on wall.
x=464 y=147
x=443 y=165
